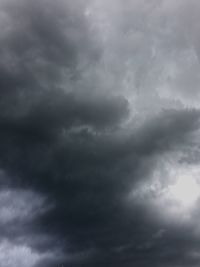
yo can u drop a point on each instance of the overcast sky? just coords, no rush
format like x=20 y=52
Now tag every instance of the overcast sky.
x=99 y=133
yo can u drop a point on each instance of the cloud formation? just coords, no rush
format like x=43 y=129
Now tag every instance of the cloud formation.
x=99 y=119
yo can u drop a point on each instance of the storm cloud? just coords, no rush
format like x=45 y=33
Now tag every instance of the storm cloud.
x=99 y=132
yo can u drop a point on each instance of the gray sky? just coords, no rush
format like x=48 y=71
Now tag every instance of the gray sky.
x=99 y=133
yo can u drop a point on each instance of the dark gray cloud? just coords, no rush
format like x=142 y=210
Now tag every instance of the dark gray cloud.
x=99 y=119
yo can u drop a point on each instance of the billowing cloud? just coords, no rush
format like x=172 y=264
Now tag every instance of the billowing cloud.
x=99 y=133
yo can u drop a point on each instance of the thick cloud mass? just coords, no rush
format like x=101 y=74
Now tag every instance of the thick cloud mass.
x=99 y=133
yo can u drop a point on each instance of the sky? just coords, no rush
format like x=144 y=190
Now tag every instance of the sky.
x=99 y=133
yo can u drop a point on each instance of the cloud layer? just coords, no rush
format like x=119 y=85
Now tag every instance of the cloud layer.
x=99 y=117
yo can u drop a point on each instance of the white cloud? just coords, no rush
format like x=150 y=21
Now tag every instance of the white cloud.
x=171 y=194
x=150 y=51
x=20 y=205
x=18 y=240
x=12 y=255
x=20 y=255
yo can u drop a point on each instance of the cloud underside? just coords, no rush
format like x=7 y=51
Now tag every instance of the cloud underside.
x=99 y=115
